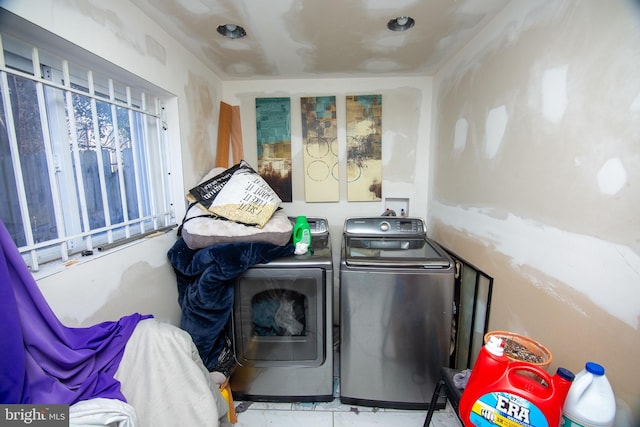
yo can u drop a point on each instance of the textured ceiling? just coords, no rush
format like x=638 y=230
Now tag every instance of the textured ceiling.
x=322 y=38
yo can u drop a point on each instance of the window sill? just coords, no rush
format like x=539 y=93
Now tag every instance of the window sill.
x=55 y=267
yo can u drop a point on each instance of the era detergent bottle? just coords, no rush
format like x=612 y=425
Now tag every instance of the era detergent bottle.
x=505 y=393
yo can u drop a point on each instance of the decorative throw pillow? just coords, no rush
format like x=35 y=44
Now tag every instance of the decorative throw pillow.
x=238 y=194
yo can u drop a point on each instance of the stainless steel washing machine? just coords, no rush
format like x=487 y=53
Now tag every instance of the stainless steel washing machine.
x=282 y=326
x=396 y=303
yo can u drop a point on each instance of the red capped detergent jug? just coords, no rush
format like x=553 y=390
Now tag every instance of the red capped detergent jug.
x=514 y=394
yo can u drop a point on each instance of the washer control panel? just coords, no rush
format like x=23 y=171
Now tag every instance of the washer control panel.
x=384 y=225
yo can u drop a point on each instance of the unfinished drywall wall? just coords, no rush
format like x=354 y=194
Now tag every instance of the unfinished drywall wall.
x=203 y=120
x=95 y=290
x=537 y=178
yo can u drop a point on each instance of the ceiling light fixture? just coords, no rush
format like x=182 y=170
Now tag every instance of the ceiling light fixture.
x=231 y=31
x=401 y=23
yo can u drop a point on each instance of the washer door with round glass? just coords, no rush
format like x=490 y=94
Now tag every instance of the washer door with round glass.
x=278 y=317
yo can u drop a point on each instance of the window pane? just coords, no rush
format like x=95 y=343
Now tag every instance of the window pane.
x=78 y=73
x=136 y=97
x=33 y=159
x=128 y=165
x=9 y=207
x=101 y=85
x=98 y=168
x=140 y=153
x=119 y=92
x=116 y=155
x=62 y=164
x=17 y=54
x=110 y=162
x=82 y=119
x=155 y=155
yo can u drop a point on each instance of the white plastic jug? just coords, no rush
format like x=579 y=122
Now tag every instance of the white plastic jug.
x=590 y=401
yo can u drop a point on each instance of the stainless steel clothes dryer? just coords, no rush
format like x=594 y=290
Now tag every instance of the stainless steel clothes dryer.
x=396 y=303
x=282 y=326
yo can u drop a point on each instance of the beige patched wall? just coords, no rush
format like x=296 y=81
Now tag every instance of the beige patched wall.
x=536 y=178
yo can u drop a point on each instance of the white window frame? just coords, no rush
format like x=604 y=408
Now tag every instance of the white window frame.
x=150 y=104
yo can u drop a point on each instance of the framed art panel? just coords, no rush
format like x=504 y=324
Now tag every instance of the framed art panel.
x=273 y=130
x=320 y=149
x=364 y=148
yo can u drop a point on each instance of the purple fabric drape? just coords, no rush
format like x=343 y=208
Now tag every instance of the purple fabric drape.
x=41 y=360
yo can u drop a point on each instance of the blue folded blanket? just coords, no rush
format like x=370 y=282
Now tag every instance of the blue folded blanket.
x=205 y=279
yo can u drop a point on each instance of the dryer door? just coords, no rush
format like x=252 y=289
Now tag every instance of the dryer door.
x=279 y=317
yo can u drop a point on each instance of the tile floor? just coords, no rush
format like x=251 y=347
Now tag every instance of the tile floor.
x=335 y=414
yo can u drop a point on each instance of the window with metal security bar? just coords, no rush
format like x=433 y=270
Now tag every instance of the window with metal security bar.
x=83 y=156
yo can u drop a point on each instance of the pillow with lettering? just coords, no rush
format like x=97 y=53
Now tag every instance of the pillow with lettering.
x=238 y=194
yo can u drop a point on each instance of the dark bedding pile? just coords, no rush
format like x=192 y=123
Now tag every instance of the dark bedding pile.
x=205 y=279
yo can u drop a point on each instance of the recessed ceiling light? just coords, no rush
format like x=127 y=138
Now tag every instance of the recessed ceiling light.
x=401 y=23
x=231 y=31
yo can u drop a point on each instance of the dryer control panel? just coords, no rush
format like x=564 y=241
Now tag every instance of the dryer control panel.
x=385 y=225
